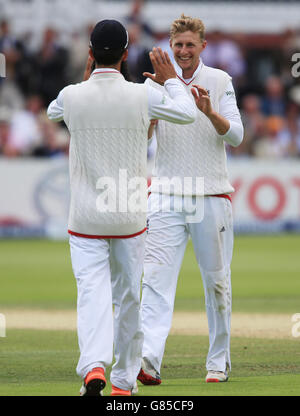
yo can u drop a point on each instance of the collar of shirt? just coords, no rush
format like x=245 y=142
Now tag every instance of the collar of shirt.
x=179 y=72
x=105 y=71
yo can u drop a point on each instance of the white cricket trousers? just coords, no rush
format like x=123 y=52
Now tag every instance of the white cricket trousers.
x=212 y=238
x=108 y=272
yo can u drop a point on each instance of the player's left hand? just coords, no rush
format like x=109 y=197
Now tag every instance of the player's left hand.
x=202 y=99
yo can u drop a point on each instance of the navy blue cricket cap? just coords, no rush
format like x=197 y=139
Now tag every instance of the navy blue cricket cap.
x=109 y=34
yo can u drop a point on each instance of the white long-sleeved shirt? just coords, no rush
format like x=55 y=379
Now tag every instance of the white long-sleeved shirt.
x=176 y=107
x=229 y=110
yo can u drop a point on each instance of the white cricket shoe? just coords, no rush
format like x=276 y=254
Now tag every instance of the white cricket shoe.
x=216 y=377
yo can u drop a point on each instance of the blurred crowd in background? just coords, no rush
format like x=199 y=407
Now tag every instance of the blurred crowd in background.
x=260 y=65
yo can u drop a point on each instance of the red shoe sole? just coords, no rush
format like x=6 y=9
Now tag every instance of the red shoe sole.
x=148 y=380
x=212 y=380
x=119 y=392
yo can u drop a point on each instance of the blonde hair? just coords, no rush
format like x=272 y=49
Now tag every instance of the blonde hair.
x=185 y=23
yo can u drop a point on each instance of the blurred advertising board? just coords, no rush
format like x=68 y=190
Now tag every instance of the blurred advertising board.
x=267 y=195
x=35 y=197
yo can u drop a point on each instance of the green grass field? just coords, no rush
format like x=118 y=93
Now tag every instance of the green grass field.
x=42 y=363
x=265 y=279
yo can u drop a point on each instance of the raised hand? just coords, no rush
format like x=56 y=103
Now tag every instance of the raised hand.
x=202 y=100
x=162 y=66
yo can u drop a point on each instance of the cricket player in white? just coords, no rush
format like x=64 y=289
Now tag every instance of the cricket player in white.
x=193 y=151
x=108 y=119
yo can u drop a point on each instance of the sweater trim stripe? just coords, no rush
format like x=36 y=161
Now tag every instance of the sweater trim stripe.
x=186 y=83
x=222 y=196
x=106 y=236
x=106 y=72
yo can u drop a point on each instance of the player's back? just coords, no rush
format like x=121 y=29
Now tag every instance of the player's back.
x=108 y=120
x=105 y=100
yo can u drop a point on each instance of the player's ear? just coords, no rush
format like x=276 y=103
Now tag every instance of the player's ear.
x=204 y=43
x=91 y=54
x=125 y=56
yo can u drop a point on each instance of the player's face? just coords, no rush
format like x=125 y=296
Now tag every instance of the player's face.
x=187 y=47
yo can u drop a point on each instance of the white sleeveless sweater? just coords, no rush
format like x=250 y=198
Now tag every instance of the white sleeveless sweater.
x=195 y=150
x=108 y=121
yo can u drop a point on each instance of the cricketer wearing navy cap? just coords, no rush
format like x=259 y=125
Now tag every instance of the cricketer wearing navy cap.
x=109 y=34
x=109 y=39
x=108 y=119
